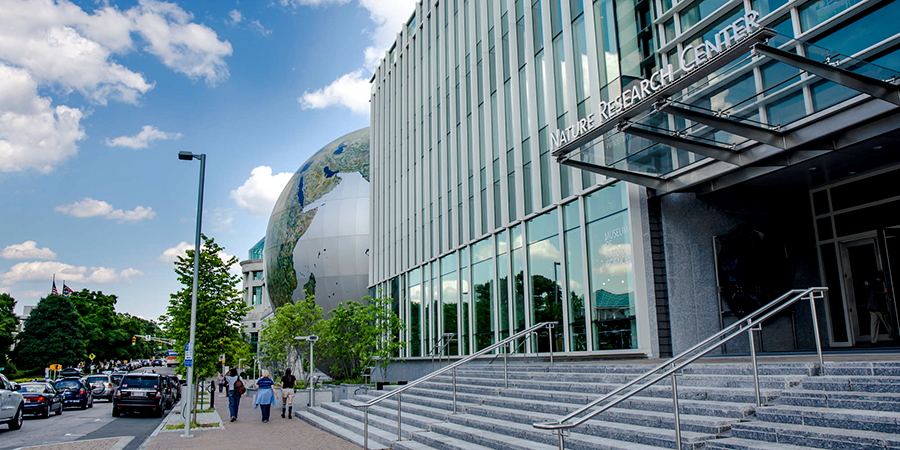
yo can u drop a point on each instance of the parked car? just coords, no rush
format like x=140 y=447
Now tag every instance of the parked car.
x=123 y=368
x=12 y=404
x=71 y=372
x=176 y=386
x=75 y=393
x=145 y=363
x=117 y=377
x=41 y=399
x=157 y=363
x=140 y=392
x=102 y=386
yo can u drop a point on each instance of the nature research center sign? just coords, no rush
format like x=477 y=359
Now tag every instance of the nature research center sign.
x=733 y=34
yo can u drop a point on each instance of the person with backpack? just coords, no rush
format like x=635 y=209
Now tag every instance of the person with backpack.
x=235 y=390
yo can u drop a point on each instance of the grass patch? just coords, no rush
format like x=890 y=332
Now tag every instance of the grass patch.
x=206 y=410
x=180 y=426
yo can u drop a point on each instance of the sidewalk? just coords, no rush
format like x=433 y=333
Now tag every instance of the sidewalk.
x=248 y=432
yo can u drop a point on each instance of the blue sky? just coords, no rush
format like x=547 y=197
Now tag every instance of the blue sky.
x=97 y=98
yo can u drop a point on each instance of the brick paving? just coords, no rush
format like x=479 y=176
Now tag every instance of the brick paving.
x=91 y=444
x=248 y=432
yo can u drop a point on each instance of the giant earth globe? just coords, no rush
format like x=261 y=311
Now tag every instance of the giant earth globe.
x=318 y=234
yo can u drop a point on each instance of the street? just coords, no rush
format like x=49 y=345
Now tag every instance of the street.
x=76 y=424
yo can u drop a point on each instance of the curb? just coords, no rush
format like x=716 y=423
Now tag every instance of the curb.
x=161 y=425
x=123 y=441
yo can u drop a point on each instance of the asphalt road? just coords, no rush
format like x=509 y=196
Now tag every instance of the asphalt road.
x=76 y=424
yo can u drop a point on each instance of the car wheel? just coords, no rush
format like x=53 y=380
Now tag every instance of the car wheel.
x=17 y=420
x=91 y=404
x=46 y=412
x=59 y=411
x=115 y=411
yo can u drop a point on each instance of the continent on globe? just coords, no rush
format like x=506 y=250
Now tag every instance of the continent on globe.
x=319 y=227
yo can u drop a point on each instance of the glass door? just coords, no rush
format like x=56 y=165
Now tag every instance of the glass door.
x=859 y=260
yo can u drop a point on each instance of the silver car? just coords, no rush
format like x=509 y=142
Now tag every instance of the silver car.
x=12 y=404
x=102 y=385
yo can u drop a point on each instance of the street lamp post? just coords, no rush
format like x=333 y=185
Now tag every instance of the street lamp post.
x=312 y=388
x=240 y=360
x=188 y=156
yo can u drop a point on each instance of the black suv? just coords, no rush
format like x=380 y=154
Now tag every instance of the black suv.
x=140 y=392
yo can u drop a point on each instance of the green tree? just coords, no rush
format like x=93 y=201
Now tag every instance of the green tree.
x=9 y=325
x=278 y=348
x=53 y=334
x=129 y=326
x=103 y=333
x=220 y=309
x=358 y=336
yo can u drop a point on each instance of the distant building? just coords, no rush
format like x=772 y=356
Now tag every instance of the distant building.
x=255 y=293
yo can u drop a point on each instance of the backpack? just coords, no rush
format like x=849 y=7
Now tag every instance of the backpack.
x=239 y=388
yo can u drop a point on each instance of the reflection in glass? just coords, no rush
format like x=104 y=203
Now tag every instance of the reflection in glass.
x=611 y=282
x=503 y=290
x=415 y=311
x=483 y=284
x=519 y=294
x=464 y=285
x=575 y=285
x=543 y=264
x=449 y=301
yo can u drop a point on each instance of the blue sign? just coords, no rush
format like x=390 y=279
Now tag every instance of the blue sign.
x=172 y=353
x=188 y=354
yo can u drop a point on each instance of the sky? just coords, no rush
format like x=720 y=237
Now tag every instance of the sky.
x=98 y=97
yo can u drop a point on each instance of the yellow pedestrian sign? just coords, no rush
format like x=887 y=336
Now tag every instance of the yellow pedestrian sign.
x=92 y=356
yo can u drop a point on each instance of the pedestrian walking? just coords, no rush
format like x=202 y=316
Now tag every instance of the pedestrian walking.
x=265 y=395
x=877 y=306
x=287 y=393
x=235 y=390
x=221 y=380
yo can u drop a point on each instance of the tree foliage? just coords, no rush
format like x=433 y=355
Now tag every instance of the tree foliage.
x=278 y=348
x=357 y=336
x=220 y=309
x=103 y=335
x=9 y=325
x=53 y=334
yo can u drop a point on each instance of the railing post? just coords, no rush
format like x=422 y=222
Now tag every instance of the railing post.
x=561 y=444
x=677 y=416
x=550 y=334
x=454 y=390
x=399 y=435
x=366 y=428
x=755 y=367
x=815 y=321
x=506 y=364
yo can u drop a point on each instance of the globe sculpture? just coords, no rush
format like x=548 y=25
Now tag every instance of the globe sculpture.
x=318 y=234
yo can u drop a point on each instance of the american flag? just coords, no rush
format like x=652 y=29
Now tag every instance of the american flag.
x=54 y=291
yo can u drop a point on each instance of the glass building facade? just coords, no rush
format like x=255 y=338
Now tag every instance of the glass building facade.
x=478 y=232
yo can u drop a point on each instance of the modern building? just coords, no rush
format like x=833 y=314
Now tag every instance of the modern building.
x=644 y=172
x=254 y=288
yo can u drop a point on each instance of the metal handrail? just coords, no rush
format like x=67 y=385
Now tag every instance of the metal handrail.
x=748 y=324
x=438 y=349
x=451 y=367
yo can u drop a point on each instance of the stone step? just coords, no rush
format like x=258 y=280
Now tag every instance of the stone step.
x=803 y=369
x=687 y=379
x=344 y=428
x=870 y=401
x=429 y=440
x=886 y=384
x=747 y=444
x=818 y=437
x=381 y=418
x=851 y=419
x=582 y=382
x=880 y=368
x=728 y=394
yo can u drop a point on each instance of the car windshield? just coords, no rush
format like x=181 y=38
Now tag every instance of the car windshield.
x=140 y=382
x=67 y=384
x=38 y=388
x=102 y=379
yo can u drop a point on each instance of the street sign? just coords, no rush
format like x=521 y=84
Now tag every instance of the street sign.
x=92 y=356
x=56 y=367
x=188 y=354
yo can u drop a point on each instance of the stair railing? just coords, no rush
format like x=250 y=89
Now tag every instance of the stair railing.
x=438 y=349
x=670 y=368
x=450 y=368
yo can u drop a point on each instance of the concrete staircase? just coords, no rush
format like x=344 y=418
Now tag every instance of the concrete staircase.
x=855 y=406
x=717 y=405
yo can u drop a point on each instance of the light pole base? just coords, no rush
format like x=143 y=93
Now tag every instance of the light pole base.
x=187 y=435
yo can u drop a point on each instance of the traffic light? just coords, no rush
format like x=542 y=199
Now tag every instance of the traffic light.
x=159 y=346
x=134 y=340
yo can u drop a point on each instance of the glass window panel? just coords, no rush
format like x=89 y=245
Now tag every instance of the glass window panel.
x=449 y=305
x=785 y=27
x=826 y=93
x=576 y=7
x=787 y=110
x=511 y=193
x=775 y=73
x=575 y=288
x=540 y=74
x=607 y=44
x=582 y=66
x=764 y=7
x=629 y=44
x=669 y=28
x=542 y=226
x=517 y=240
x=464 y=318
x=555 y=17
x=570 y=215
x=529 y=190
x=819 y=11
x=483 y=282
x=482 y=250
x=415 y=313
x=863 y=32
x=612 y=283
x=559 y=69
x=703 y=9
x=604 y=202
x=524 y=103
x=546 y=164
x=666 y=5
x=736 y=92
x=537 y=27
x=503 y=294
x=518 y=294
x=520 y=42
x=546 y=291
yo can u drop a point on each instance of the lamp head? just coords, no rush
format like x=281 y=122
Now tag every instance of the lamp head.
x=185 y=156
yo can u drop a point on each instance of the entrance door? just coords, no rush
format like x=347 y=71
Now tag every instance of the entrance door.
x=860 y=260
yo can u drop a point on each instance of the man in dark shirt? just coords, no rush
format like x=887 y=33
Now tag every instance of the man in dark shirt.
x=877 y=306
x=287 y=393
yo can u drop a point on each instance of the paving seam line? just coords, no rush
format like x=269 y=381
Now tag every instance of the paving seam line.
x=123 y=441
x=158 y=428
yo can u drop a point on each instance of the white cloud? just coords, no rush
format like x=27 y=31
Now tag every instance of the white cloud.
x=89 y=207
x=27 y=250
x=33 y=134
x=192 y=49
x=236 y=16
x=221 y=220
x=170 y=255
x=258 y=194
x=45 y=270
x=148 y=134
x=351 y=90
x=61 y=48
x=256 y=25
